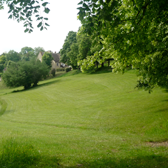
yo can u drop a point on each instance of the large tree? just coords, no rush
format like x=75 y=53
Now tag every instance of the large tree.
x=27 y=53
x=23 y=10
x=13 y=56
x=134 y=33
x=70 y=39
x=25 y=73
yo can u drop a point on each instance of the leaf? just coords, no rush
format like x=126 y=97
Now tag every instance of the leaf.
x=47 y=24
x=10 y=17
x=40 y=24
x=41 y=28
x=26 y=30
x=45 y=3
x=45 y=18
x=81 y=2
x=46 y=10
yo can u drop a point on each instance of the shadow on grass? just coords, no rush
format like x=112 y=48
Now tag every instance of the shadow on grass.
x=138 y=162
x=36 y=87
x=103 y=70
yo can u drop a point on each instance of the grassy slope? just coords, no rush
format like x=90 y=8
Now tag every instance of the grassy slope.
x=96 y=120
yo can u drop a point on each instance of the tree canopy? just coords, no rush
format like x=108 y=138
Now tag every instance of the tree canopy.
x=133 y=32
x=25 y=73
x=47 y=58
x=22 y=10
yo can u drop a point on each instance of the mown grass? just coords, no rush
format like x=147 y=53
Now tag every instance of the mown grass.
x=81 y=120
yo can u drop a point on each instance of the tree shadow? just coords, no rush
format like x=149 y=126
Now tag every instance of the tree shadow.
x=102 y=70
x=36 y=87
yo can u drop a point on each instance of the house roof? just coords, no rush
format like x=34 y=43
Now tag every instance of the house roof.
x=56 y=57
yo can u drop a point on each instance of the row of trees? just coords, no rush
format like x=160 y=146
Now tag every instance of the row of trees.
x=26 y=53
x=132 y=32
x=77 y=46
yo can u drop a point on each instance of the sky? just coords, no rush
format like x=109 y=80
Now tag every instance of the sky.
x=62 y=19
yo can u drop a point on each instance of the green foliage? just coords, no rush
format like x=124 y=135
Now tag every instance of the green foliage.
x=24 y=73
x=53 y=72
x=22 y=10
x=13 y=56
x=47 y=58
x=76 y=47
x=70 y=39
x=1 y=67
x=60 y=69
x=134 y=33
x=2 y=59
x=68 y=69
x=73 y=54
x=27 y=53
x=38 y=49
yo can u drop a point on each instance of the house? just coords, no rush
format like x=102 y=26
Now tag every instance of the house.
x=55 y=62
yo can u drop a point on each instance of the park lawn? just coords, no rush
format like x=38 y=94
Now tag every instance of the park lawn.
x=85 y=120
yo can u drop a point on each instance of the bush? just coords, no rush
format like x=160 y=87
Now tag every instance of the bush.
x=60 y=69
x=25 y=73
x=53 y=72
x=68 y=69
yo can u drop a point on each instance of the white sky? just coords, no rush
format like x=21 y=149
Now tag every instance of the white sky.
x=62 y=19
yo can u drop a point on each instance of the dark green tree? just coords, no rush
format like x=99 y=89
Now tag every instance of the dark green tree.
x=73 y=55
x=47 y=58
x=70 y=39
x=27 y=53
x=25 y=73
x=13 y=56
x=2 y=59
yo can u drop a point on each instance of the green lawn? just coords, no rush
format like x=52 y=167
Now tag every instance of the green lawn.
x=84 y=120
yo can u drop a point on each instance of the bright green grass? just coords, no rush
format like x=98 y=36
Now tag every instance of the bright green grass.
x=96 y=120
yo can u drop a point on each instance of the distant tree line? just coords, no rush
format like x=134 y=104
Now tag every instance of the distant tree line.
x=78 y=46
x=23 y=68
x=26 y=54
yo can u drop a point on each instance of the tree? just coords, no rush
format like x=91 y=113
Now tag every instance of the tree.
x=38 y=49
x=76 y=47
x=73 y=55
x=47 y=58
x=13 y=56
x=134 y=33
x=2 y=59
x=70 y=39
x=25 y=50
x=27 y=53
x=22 y=10
x=25 y=73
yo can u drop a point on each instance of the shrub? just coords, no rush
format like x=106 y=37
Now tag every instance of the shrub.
x=25 y=73
x=53 y=71
x=60 y=69
x=68 y=69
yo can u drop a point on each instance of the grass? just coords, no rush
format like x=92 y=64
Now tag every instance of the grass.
x=85 y=120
